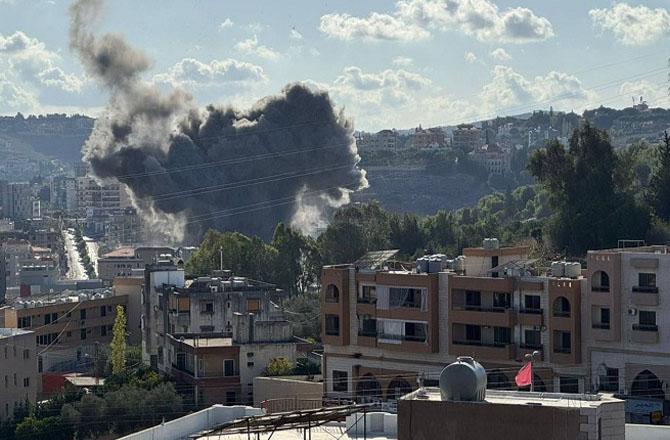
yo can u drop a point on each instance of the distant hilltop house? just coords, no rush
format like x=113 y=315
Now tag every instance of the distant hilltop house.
x=428 y=138
x=385 y=139
x=495 y=159
x=466 y=137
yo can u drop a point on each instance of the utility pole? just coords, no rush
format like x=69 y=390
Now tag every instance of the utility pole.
x=221 y=257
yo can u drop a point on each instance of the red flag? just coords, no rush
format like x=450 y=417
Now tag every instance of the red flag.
x=524 y=376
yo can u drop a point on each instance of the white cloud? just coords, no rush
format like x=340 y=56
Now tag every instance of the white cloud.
x=402 y=61
x=295 y=35
x=14 y=98
x=510 y=92
x=375 y=27
x=470 y=57
x=416 y=19
x=226 y=24
x=500 y=54
x=633 y=25
x=656 y=95
x=193 y=73
x=314 y=52
x=30 y=61
x=250 y=46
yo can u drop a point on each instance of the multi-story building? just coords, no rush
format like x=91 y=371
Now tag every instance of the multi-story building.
x=66 y=326
x=64 y=194
x=466 y=137
x=16 y=200
x=214 y=334
x=428 y=138
x=625 y=326
x=119 y=263
x=385 y=139
x=496 y=160
x=386 y=326
x=109 y=198
x=15 y=251
x=19 y=380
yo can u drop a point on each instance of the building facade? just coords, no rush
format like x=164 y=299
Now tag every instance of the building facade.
x=466 y=138
x=384 y=329
x=19 y=380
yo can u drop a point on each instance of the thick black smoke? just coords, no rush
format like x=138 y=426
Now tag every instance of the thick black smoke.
x=289 y=158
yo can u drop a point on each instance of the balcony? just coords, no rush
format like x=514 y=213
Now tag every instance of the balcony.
x=368 y=333
x=645 y=296
x=478 y=315
x=483 y=350
x=531 y=317
x=600 y=326
x=645 y=333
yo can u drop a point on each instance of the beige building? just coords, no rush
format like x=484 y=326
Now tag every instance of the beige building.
x=385 y=326
x=19 y=380
x=69 y=324
x=110 y=198
x=119 y=263
x=626 y=326
x=132 y=288
x=466 y=138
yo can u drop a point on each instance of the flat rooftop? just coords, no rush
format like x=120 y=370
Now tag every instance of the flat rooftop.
x=122 y=252
x=9 y=332
x=650 y=249
x=329 y=431
x=559 y=400
x=208 y=342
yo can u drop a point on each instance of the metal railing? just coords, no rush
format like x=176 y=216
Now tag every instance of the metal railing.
x=645 y=327
x=482 y=344
x=531 y=311
x=645 y=289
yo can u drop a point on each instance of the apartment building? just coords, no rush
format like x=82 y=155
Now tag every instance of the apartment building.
x=16 y=200
x=111 y=198
x=118 y=263
x=626 y=327
x=386 y=325
x=69 y=324
x=19 y=380
x=384 y=139
x=466 y=137
x=192 y=325
x=493 y=158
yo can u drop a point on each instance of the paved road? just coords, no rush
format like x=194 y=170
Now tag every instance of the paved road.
x=93 y=249
x=75 y=270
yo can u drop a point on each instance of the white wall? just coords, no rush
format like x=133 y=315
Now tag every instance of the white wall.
x=647 y=432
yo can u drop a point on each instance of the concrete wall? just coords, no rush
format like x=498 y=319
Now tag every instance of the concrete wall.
x=18 y=362
x=647 y=432
x=132 y=287
x=269 y=388
x=254 y=358
x=193 y=423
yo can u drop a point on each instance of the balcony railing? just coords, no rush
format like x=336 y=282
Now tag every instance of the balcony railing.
x=333 y=331
x=531 y=311
x=600 y=326
x=367 y=333
x=645 y=289
x=408 y=338
x=528 y=346
x=600 y=288
x=366 y=300
x=473 y=308
x=645 y=327
x=482 y=344
x=564 y=350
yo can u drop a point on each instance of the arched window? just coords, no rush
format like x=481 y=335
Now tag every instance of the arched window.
x=561 y=307
x=647 y=384
x=332 y=294
x=398 y=388
x=368 y=389
x=600 y=282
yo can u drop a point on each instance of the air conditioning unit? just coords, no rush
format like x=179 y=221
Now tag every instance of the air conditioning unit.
x=632 y=311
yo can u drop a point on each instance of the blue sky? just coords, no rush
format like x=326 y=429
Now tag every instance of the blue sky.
x=387 y=63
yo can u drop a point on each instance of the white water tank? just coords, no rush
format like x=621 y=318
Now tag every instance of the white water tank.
x=573 y=270
x=459 y=263
x=558 y=269
x=464 y=380
x=434 y=265
x=422 y=265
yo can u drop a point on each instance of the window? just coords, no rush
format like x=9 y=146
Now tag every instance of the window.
x=229 y=367
x=82 y=314
x=103 y=330
x=646 y=283
x=569 y=384
x=24 y=322
x=501 y=300
x=207 y=307
x=561 y=307
x=250 y=364
x=473 y=333
x=609 y=381
x=82 y=334
x=531 y=304
x=562 y=342
x=332 y=294
x=473 y=300
x=367 y=295
x=253 y=305
x=367 y=326
x=605 y=317
x=26 y=353
x=502 y=335
x=26 y=382
x=40 y=364
x=340 y=381
x=5 y=352
x=416 y=331
x=647 y=321
x=600 y=282
x=50 y=317
x=332 y=325
x=103 y=311
x=532 y=339
x=405 y=297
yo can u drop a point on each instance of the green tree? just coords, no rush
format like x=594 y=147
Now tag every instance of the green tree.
x=341 y=243
x=118 y=346
x=279 y=366
x=298 y=261
x=50 y=428
x=588 y=188
x=659 y=185
x=91 y=414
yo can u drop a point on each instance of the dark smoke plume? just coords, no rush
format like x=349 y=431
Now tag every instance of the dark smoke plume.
x=289 y=158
